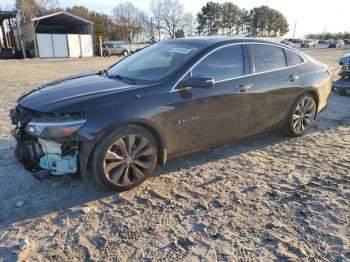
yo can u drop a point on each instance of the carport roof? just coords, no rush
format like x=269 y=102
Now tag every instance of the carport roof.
x=7 y=15
x=62 y=18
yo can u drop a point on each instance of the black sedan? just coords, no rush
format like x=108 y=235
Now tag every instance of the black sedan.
x=169 y=99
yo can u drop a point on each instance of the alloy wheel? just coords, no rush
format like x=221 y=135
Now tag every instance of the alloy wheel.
x=303 y=115
x=128 y=160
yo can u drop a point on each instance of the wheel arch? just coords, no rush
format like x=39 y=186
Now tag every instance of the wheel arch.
x=315 y=95
x=148 y=125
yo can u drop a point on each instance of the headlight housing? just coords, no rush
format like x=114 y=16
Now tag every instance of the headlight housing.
x=54 y=127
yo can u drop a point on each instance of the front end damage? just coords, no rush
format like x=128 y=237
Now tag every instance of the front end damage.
x=342 y=85
x=47 y=142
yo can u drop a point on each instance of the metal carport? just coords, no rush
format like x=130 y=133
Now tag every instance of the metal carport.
x=58 y=35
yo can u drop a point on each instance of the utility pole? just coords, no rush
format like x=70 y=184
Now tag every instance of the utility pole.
x=295 y=27
x=100 y=51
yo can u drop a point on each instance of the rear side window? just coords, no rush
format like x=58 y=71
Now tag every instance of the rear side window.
x=267 y=57
x=222 y=64
x=293 y=58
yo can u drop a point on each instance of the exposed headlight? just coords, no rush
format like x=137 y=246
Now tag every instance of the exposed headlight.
x=54 y=127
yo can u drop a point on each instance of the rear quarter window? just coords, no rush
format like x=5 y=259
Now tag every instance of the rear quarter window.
x=267 y=57
x=293 y=58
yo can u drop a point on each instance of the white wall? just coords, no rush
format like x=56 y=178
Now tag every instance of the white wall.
x=62 y=45
x=74 y=45
x=45 y=47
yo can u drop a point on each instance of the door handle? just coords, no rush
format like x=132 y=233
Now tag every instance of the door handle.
x=243 y=88
x=292 y=78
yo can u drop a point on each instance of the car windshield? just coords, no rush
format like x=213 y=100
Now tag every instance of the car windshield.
x=153 y=63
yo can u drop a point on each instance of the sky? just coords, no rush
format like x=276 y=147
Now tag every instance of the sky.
x=312 y=16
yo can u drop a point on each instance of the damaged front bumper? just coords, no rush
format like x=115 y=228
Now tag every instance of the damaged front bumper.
x=47 y=141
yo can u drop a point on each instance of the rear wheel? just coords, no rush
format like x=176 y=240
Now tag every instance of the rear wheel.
x=301 y=116
x=125 y=158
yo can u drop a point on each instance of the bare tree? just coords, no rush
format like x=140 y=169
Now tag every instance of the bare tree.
x=156 y=10
x=49 y=5
x=150 y=30
x=172 y=16
x=190 y=24
x=128 y=19
x=27 y=9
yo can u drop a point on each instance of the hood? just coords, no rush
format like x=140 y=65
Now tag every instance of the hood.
x=71 y=90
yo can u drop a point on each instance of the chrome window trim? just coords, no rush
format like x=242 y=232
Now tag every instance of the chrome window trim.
x=238 y=77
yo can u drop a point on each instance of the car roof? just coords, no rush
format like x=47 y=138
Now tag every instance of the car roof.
x=217 y=40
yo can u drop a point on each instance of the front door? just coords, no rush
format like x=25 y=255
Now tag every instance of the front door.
x=208 y=117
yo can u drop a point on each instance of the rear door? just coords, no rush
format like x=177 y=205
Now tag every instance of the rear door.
x=275 y=84
x=207 y=117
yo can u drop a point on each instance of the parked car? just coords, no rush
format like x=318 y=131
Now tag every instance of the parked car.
x=347 y=41
x=308 y=43
x=323 y=42
x=336 y=44
x=109 y=49
x=297 y=41
x=170 y=99
x=342 y=86
x=288 y=43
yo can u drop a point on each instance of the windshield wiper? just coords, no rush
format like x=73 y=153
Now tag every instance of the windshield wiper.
x=120 y=77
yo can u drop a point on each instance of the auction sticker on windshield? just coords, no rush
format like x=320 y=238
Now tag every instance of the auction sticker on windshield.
x=182 y=50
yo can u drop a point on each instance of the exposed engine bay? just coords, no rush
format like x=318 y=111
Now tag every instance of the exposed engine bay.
x=49 y=150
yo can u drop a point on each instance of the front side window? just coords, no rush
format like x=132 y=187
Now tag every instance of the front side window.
x=222 y=64
x=293 y=58
x=154 y=63
x=267 y=58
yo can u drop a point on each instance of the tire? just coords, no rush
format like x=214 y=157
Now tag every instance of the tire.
x=106 y=54
x=125 y=53
x=123 y=169
x=301 y=116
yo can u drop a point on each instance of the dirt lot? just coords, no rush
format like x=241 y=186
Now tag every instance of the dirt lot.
x=265 y=198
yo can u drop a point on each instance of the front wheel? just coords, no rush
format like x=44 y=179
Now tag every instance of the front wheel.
x=301 y=116
x=125 y=53
x=125 y=158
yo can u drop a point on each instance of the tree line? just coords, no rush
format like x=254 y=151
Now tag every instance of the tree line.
x=229 y=19
x=167 y=19
x=326 y=36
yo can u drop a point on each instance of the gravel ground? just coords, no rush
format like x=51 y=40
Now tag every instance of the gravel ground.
x=264 y=198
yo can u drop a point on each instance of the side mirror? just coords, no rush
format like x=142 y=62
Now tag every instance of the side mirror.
x=197 y=82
